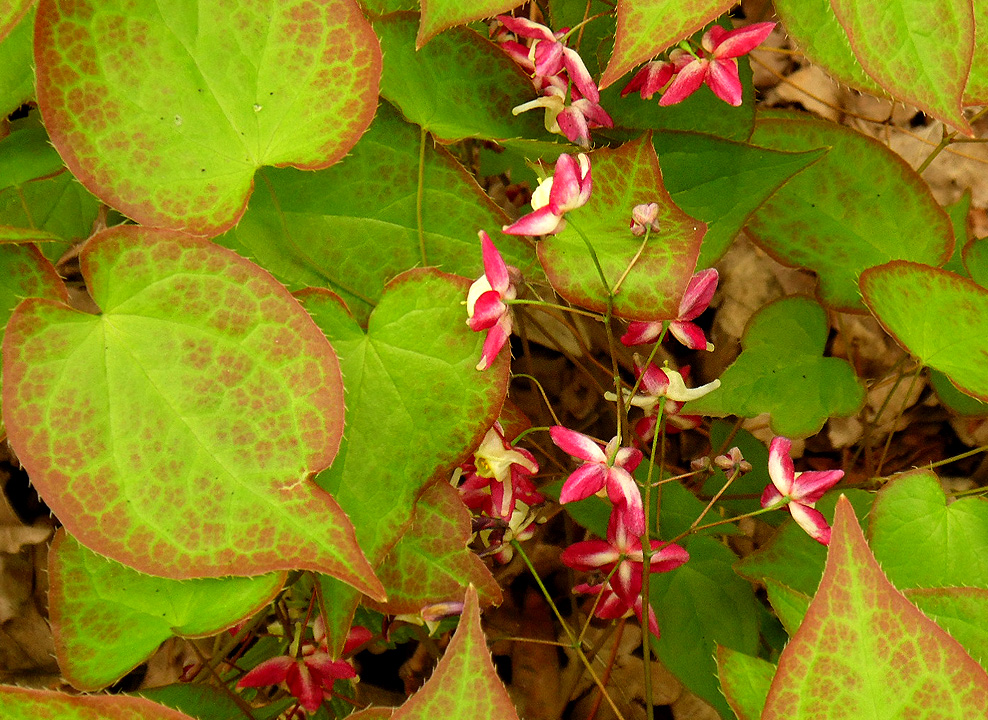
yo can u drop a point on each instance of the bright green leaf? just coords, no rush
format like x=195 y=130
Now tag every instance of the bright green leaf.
x=790 y=605
x=975 y=255
x=416 y=405
x=722 y=182
x=16 y=60
x=745 y=681
x=353 y=227
x=792 y=557
x=859 y=206
x=920 y=53
x=781 y=371
x=108 y=618
x=699 y=606
x=863 y=651
x=813 y=27
x=647 y=27
x=464 y=683
x=431 y=563
x=27 y=155
x=958 y=212
x=166 y=110
x=460 y=85
x=911 y=519
x=177 y=430
x=652 y=290
x=960 y=611
x=937 y=316
x=960 y=402
x=976 y=90
x=439 y=15
x=24 y=704
x=25 y=273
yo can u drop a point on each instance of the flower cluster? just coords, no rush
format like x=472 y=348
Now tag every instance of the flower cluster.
x=799 y=491
x=497 y=477
x=557 y=72
x=309 y=676
x=568 y=188
x=485 y=307
x=715 y=64
x=621 y=559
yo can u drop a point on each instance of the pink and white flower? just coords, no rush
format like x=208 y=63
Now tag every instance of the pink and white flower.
x=607 y=468
x=573 y=121
x=654 y=76
x=498 y=475
x=799 y=491
x=621 y=557
x=485 y=307
x=716 y=64
x=568 y=188
x=699 y=292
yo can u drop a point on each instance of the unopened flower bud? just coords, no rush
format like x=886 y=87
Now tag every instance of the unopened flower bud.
x=644 y=216
x=733 y=460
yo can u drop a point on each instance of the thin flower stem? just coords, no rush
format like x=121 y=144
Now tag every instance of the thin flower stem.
x=554 y=306
x=866 y=436
x=610 y=666
x=420 y=195
x=545 y=397
x=646 y=541
x=945 y=140
x=241 y=704
x=580 y=26
x=895 y=420
x=634 y=261
x=593 y=255
x=955 y=458
x=575 y=645
x=715 y=498
x=529 y=431
x=596 y=602
x=535 y=641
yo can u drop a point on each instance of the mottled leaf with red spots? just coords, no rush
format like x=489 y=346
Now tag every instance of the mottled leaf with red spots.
x=864 y=651
x=108 y=618
x=165 y=110
x=647 y=27
x=623 y=178
x=439 y=15
x=177 y=430
x=24 y=704
x=431 y=563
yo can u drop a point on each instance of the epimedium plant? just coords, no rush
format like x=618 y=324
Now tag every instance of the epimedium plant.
x=280 y=408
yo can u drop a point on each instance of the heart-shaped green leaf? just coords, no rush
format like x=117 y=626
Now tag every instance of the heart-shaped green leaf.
x=199 y=700
x=622 y=179
x=790 y=605
x=700 y=605
x=176 y=431
x=911 y=520
x=439 y=15
x=166 y=110
x=431 y=562
x=25 y=273
x=812 y=25
x=793 y=558
x=722 y=182
x=16 y=72
x=813 y=222
x=961 y=403
x=24 y=704
x=893 y=41
x=354 y=226
x=647 y=27
x=859 y=620
x=960 y=611
x=975 y=256
x=781 y=371
x=937 y=316
x=27 y=155
x=745 y=681
x=464 y=683
x=460 y=85
x=108 y=618
x=416 y=405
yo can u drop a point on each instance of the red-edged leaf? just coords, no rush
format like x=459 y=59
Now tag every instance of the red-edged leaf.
x=176 y=431
x=647 y=27
x=11 y=14
x=623 y=178
x=24 y=704
x=165 y=110
x=431 y=563
x=439 y=15
x=864 y=651
x=919 y=51
x=464 y=684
